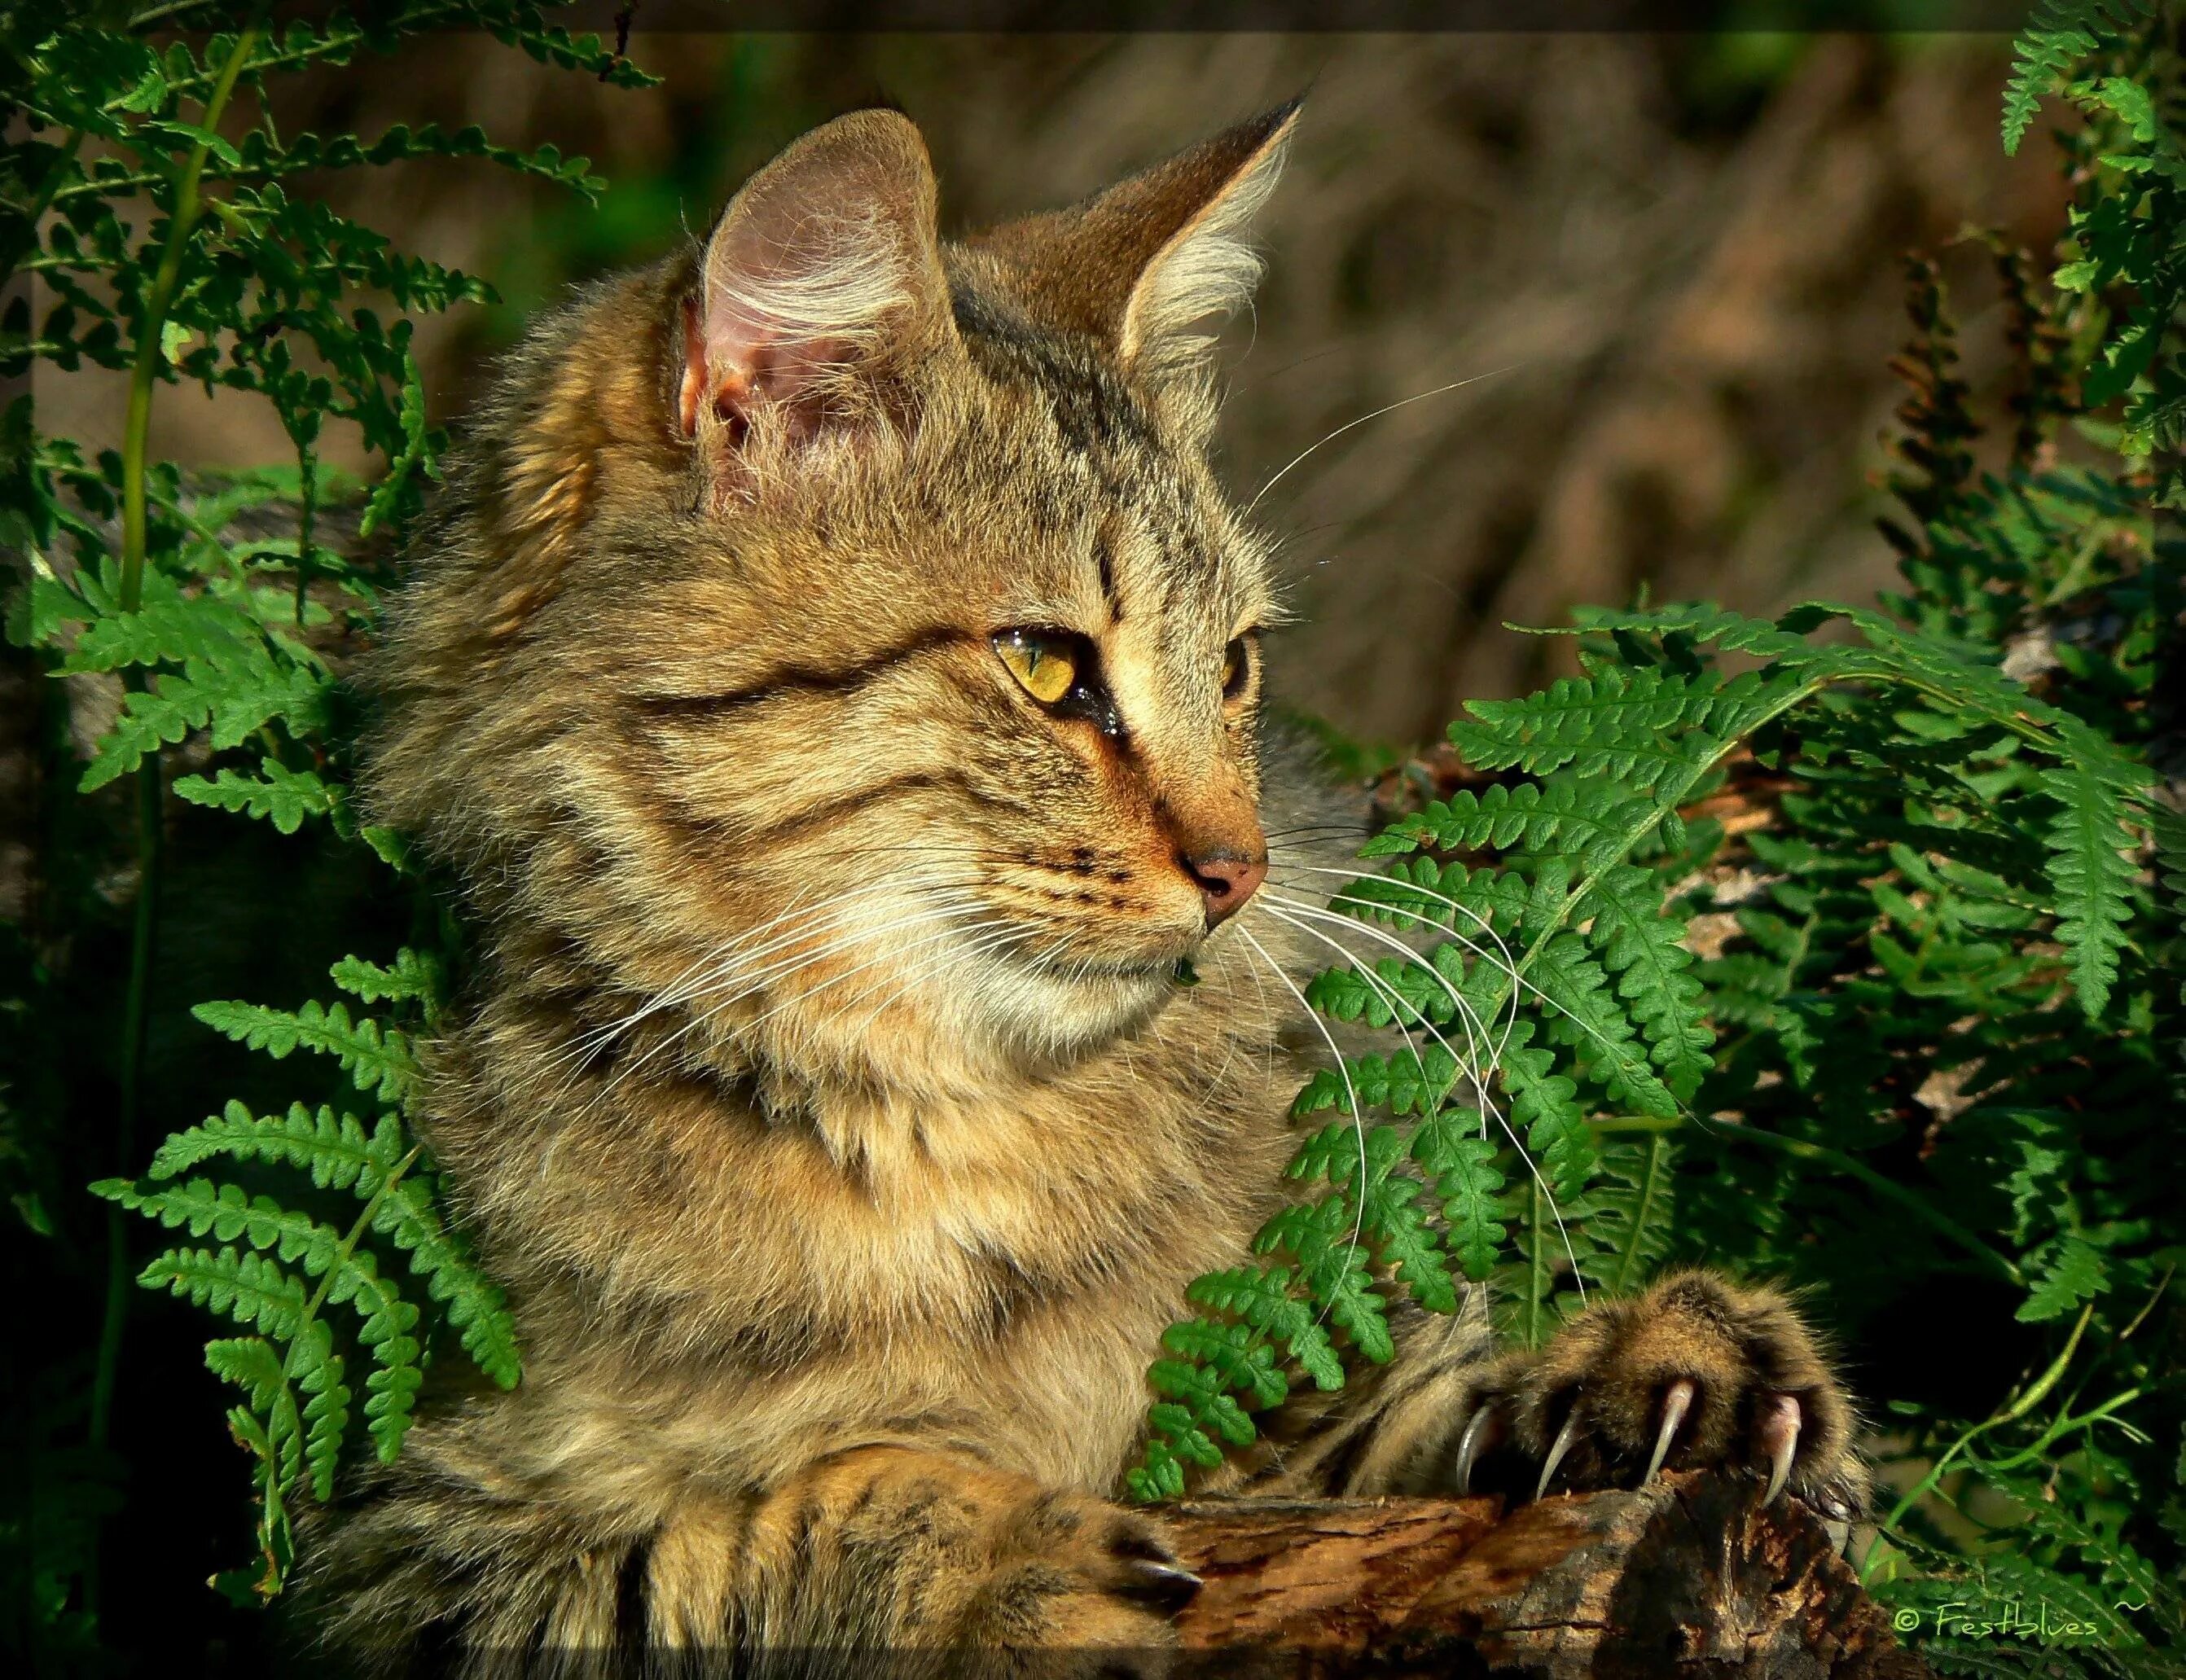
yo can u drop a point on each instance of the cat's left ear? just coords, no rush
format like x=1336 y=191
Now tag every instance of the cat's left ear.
x=1153 y=257
x=821 y=284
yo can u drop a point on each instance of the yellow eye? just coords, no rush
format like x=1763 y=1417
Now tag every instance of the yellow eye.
x=1236 y=666
x=1045 y=665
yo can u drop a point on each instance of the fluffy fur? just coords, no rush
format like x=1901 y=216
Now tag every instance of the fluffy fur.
x=827 y=1098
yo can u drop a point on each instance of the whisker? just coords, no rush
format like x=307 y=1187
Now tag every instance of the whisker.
x=1343 y=1072
x=1390 y=408
x=722 y=961
x=1509 y=966
x=739 y=989
x=1488 y=1106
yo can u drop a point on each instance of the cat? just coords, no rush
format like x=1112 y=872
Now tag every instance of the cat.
x=836 y=677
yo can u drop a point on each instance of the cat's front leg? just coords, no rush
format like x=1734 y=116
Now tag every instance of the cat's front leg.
x=1694 y=1373
x=905 y=1556
x=879 y=1563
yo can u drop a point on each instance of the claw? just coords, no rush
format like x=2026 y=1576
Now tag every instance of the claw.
x=1780 y=1439
x=1677 y=1400
x=1167 y=1587
x=1565 y=1436
x=1482 y=1431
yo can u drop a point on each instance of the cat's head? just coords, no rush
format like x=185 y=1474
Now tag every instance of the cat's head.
x=839 y=631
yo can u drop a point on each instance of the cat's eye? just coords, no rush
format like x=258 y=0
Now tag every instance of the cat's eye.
x=1236 y=668
x=1045 y=665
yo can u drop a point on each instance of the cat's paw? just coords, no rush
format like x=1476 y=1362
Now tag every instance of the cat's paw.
x=1092 y=1586
x=1697 y=1373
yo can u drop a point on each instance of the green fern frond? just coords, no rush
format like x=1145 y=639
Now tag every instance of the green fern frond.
x=2073 y=1272
x=2059 y=35
x=1634 y=1213
x=277 y=794
x=1464 y=1169
x=475 y=1306
x=245 y=1286
x=231 y=701
x=1318 y=1235
x=2093 y=879
x=1585 y=1016
x=377 y=1058
x=1631 y=726
x=1566 y=817
x=1638 y=945
x=334 y=1149
x=415 y=976
x=1265 y=1298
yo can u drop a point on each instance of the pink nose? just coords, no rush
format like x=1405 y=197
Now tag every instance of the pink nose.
x=1225 y=881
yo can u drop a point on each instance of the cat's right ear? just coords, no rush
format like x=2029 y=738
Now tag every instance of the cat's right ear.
x=819 y=286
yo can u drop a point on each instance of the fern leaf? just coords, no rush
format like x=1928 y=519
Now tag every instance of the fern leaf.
x=1706 y=624
x=377 y=1058
x=334 y=1149
x=1632 y=726
x=1243 y=1360
x=2058 y=37
x=247 y=1287
x=177 y=629
x=1545 y=1106
x=226 y=1212
x=474 y=1304
x=1633 y=1213
x=391 y=1395
x=232 y=700
x=1586 y=1015
x=1569 y=816
x=2092 y=877
x=1463 y=1165
x=1318 y=1236
x=319 y=1373
x=277 y=794
x=1639 y=945
x=415 y=976
x=2074 y=1271
x=1262 y=1295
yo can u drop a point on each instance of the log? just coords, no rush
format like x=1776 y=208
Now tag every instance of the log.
x=1692 y=1576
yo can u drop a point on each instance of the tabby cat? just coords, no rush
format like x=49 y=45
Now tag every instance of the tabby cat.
x=837 y=677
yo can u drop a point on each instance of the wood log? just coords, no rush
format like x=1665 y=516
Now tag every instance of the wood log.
x=1692 y=1576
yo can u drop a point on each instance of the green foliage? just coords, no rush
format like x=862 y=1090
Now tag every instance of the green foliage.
x=1845 y=946
x=169 y=222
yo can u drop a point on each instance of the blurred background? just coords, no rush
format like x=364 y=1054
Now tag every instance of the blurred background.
x=1666 y=265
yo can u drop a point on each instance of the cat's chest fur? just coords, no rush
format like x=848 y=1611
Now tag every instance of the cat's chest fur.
x=738 y=1289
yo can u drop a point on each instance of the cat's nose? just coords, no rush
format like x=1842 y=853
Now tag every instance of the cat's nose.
x=1226 y=880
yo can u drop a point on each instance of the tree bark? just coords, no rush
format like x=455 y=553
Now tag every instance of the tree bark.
x=1689 y=1576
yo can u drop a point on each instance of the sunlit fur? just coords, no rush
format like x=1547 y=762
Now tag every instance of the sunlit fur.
x=827 y=1096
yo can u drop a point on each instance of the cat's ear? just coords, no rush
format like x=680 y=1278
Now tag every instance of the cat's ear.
x=822 y=282
x=1155 y=255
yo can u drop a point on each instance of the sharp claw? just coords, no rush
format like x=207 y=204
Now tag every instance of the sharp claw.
x=1780 y=1439
x=1481 y=1431
x=1677 y=1400
x=1565 y=1436
x=1169 y=1587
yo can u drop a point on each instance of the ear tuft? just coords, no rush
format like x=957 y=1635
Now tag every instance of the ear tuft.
x=1207 y=266
x=1145 y=262
x=822 y=277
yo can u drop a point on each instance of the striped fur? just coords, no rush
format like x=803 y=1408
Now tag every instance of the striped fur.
x=837 y=1281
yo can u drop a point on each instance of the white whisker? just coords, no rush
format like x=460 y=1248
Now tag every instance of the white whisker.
x=1390 y=408
x=1488 y=1108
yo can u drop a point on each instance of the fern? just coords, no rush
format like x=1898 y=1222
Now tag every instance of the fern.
x=174 y=245
x=2059 y=35
x=1929 y=1029
x=377 y=1057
